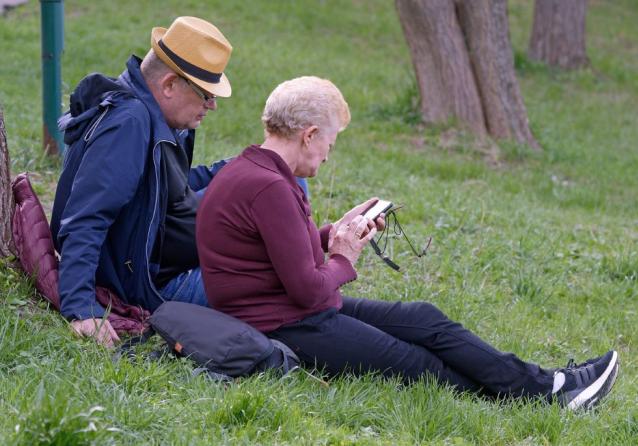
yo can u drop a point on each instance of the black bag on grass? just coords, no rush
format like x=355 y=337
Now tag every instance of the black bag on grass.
x=222 y=345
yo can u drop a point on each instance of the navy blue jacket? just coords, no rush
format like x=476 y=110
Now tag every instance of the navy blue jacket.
x=110 y=203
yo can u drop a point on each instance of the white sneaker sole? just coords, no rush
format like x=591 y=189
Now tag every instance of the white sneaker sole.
x=591 y=392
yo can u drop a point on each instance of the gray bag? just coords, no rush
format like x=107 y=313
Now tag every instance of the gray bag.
x=221 y=345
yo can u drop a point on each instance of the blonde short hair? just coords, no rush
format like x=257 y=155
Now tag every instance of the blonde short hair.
x=302 y=102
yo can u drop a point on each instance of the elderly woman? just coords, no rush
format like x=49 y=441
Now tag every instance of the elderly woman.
x=262 y=260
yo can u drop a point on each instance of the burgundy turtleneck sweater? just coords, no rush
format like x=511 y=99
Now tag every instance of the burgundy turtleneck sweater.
x=261 y=255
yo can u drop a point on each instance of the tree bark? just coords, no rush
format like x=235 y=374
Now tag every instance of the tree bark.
x=6 y=195
x=441 y=62
x=486 y=27
x=558 y=33
x=464 y=66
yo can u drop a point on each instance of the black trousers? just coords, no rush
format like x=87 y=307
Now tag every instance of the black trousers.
x=409 y=340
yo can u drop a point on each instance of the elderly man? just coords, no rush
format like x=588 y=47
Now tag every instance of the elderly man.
x=124 y=211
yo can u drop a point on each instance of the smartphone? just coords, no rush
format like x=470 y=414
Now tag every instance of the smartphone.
x=376 y=209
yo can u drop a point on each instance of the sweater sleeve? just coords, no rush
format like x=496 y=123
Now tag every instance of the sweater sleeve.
x=284 y=231
x=324 y=233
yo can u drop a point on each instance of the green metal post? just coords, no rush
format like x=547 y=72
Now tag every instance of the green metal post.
x=52 y=31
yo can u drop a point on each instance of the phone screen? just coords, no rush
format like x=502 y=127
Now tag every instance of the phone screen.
x=376 y=209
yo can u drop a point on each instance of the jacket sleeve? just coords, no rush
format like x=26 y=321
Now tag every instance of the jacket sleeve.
x=106 y=180
x=199 y=177
x=284 y=230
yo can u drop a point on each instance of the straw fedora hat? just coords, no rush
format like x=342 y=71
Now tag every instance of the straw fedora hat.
x=197 y=50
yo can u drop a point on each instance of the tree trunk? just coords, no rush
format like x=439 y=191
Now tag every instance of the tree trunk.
x=558 y=33
x=441 y=62
x=6 y=195
x=486 y=29
x=463 y=61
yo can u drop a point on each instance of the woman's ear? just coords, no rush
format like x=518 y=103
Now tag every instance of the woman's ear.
x=309 y=133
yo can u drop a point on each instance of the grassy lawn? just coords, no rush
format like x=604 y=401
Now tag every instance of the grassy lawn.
x=537 y=253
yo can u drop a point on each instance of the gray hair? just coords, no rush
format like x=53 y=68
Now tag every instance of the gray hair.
x=299 y=103
x=153 y=68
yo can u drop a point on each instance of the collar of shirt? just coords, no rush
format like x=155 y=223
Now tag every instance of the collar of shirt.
x=272 y=161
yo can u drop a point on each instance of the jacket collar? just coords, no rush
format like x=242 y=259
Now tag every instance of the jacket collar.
x=133 y=79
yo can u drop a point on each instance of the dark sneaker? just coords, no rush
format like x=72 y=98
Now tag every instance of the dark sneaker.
x=587 y=383
x=571 y=364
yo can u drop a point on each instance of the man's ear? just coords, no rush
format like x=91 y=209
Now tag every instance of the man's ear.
x=168 y=84
x=309 y=133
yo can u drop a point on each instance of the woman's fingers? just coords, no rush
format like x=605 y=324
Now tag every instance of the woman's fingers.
x=359 y=209
x=363 y=230
x=371 y=225
x=359 y=226
x=349 y=216
x=349 y=240
x=369 y=236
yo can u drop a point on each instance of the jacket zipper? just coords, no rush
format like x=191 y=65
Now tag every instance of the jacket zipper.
x=148 y=234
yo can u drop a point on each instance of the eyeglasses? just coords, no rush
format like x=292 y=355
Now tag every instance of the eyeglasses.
x=398 y=231
x=204 y=96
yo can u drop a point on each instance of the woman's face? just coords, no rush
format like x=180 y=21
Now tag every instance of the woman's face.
x=318 y=143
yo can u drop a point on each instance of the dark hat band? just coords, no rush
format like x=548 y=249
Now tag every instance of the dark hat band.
x=189 y=68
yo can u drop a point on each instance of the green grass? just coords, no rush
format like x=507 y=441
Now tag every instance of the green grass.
x=538 y=253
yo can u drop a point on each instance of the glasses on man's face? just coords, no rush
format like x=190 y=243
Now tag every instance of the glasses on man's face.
x=204 y=96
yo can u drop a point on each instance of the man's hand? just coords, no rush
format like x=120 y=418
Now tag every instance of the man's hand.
x=100 y=329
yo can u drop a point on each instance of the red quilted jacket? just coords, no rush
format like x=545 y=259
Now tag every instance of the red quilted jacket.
x=37 y=257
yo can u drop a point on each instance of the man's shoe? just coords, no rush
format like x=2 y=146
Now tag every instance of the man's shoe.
x=584 y=385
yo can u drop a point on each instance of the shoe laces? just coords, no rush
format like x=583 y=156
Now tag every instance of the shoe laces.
x=571 y=364
x=581 y=373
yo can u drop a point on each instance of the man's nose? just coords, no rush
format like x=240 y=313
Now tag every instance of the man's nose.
x=211 y=104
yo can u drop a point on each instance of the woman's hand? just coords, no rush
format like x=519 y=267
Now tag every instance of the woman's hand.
x=350 y=239
x=356 y=211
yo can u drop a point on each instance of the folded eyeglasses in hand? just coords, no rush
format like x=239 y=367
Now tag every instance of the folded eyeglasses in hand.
x=387 y=207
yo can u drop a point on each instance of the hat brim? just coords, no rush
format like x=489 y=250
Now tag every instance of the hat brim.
x=221 y=88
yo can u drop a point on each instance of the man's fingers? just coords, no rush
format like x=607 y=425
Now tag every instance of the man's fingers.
x=106 y=335
x=106 y=340
x=84 y=327
x=113 y=333
x=77 y=328
x=99 y=329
